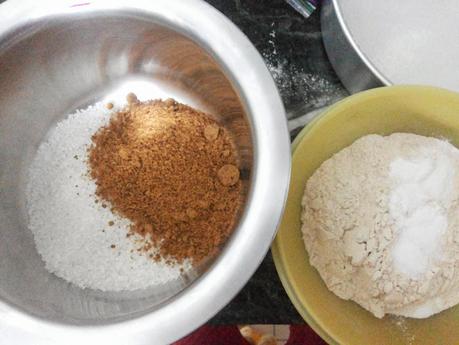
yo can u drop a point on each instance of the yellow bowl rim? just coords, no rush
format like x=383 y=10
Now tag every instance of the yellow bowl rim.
x=331 y=111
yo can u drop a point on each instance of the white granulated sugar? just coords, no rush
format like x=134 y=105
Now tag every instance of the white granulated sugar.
x=71 y=230
x=418 y=204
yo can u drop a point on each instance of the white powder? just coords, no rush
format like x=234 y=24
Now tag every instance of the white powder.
x=418 y=203
x=301 y=91
x=381 y=224
x=409 y=41
x=71 y=230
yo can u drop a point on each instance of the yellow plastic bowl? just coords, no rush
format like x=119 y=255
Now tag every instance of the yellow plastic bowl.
x=412 y=109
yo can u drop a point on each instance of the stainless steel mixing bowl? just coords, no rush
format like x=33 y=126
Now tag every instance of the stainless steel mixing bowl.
x=59 y=55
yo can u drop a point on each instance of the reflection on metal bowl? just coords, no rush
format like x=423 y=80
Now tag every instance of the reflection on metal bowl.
x=58 y=56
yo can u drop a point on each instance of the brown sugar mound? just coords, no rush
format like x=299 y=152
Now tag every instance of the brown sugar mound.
x=159 y=164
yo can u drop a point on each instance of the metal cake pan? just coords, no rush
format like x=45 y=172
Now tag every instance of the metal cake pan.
x=374 y=43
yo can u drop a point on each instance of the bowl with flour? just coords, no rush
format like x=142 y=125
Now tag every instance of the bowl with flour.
x=367 y=248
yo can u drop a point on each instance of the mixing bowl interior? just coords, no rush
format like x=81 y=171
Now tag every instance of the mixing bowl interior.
x=52 y=67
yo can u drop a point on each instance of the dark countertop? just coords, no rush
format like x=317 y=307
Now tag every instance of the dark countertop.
x=293 y=51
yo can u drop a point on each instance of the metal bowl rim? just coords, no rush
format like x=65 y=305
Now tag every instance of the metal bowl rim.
x=271 y=173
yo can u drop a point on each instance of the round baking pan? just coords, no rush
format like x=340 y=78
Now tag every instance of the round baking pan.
x=372 y=43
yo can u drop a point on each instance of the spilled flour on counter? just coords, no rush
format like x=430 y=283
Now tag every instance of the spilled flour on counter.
x=299 y=88
x=381 y=224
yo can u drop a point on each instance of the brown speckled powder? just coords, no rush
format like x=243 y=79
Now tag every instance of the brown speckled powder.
x=173 y=171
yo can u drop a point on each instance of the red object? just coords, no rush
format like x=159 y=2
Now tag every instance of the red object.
x=303 y=335
x=230 y=335
x=214 y=335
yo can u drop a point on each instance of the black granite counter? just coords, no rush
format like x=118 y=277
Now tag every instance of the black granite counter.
x=293 y=51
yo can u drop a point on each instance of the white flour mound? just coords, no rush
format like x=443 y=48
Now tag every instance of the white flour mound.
x=72 y=231
x=381 y=224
